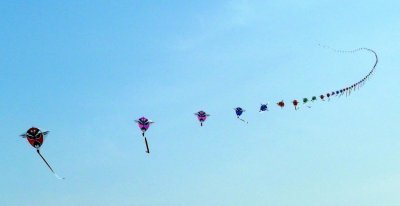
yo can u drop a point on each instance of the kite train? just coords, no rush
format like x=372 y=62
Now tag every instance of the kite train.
x=36 y=138
x=338 y=92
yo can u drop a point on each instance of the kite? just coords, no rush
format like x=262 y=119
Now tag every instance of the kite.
x=201 y=116
x=263 y=107
x=239 y=111
x=144 y=125
x=36 y=138
x=281 y=104
x=314 y=98
x=305 y=100
x=295 y=103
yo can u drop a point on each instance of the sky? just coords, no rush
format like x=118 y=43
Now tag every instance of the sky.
x=85 y=71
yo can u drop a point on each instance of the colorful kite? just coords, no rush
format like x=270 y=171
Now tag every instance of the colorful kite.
x=201 y=116
x=36 y=138
x=144 y=125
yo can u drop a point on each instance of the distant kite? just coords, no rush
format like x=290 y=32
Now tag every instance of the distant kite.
x=281 y=104
x=201 y=116
x=144 y=125
x=239 y=111
x=263 y=107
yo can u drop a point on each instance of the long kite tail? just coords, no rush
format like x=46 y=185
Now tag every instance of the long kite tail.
x=353 y=51
x=366 y=77
x=55 y=174
x=243 y=120
x=147 y=145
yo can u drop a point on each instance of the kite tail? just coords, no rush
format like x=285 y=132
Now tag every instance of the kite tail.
x=147 y=145
x=242 y=120
x=371 y=72
x=55 y=174
x=201 y=123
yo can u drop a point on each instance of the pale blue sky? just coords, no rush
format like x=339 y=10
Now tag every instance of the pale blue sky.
x=86 y=70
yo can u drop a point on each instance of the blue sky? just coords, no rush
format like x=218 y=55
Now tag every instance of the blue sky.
x=87 y=70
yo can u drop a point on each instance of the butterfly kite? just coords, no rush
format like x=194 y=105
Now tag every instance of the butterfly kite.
x=201 y=116
x=144 y=125
x=36 y=137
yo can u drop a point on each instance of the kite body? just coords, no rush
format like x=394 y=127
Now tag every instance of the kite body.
x=281 y=104
x=239 y=111
x=314 y=98
x=143 y=124
x=263 y=107
x=201 y=116
x=35 y=137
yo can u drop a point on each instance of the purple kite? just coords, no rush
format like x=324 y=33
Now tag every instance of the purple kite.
x=201 y=116
x=144 y=125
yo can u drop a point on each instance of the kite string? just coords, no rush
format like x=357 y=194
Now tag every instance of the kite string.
x=353 y=51
x=243 y=120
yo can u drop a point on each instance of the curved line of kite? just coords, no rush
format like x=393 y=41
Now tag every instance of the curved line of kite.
x=36 y=137
x=346 y=90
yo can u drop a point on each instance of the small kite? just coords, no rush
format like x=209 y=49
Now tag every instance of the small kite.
x=144 y=125
x=281 y=104
x=295 y=103
x=305 y=100
x=263 y=107
x=36 y=138
x=239 y=111
x=314 y=98
x=201 y=116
